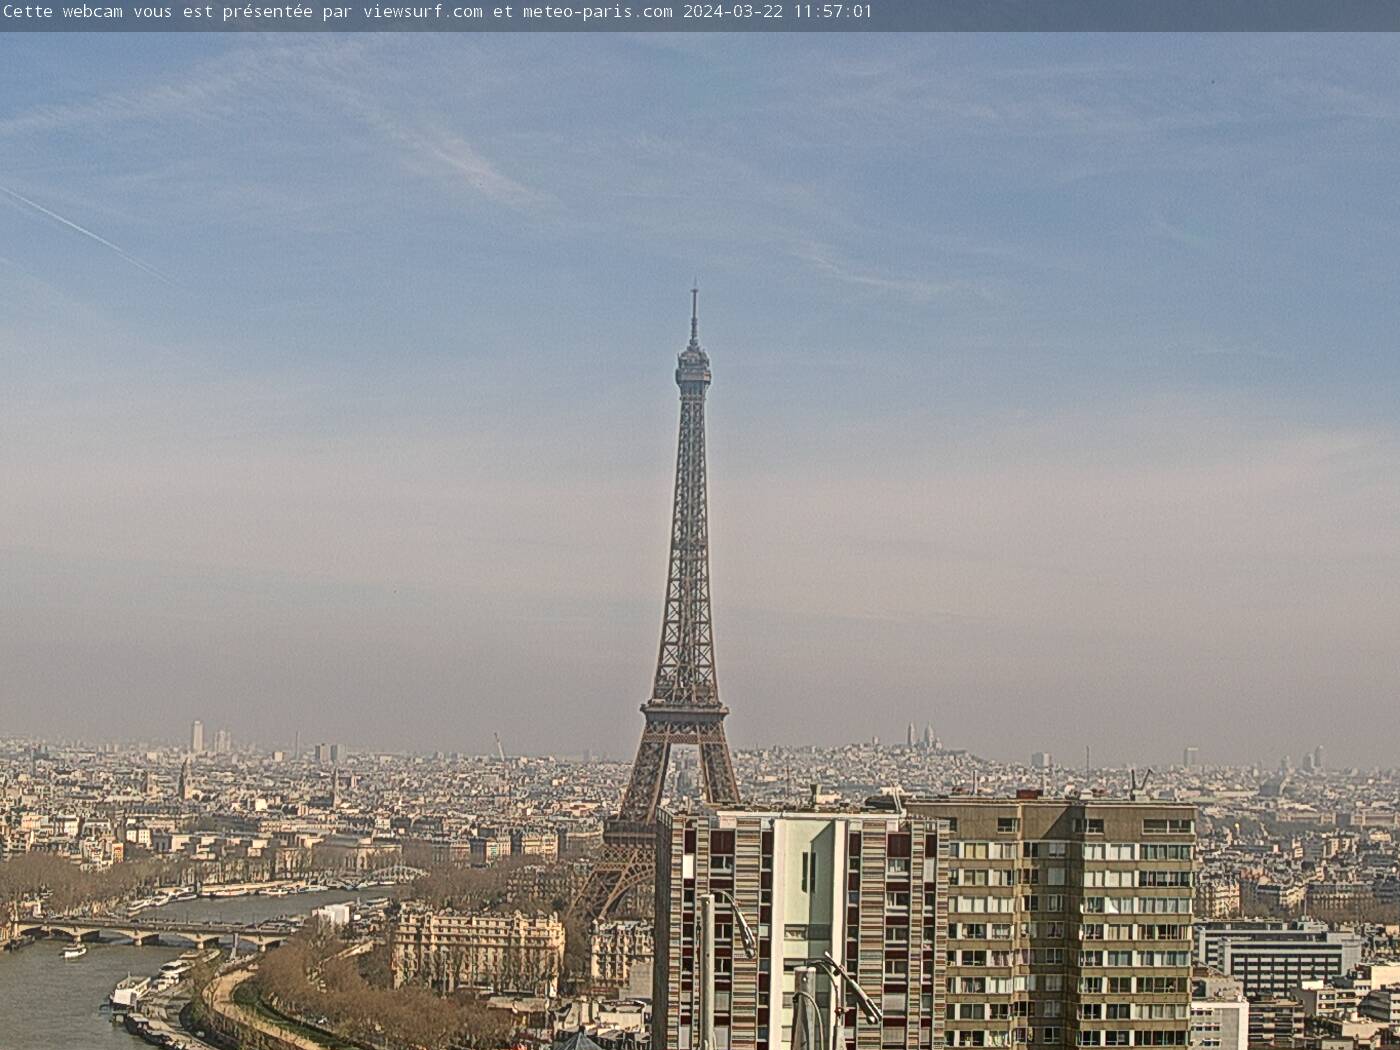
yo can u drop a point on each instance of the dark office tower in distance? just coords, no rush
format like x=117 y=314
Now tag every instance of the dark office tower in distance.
x=909 y=737
x=223 y=742
x=684 y=707
x=197 y=737
x=335 y=753
x=1319 y=758
x=1191 y=757
x=323 y=754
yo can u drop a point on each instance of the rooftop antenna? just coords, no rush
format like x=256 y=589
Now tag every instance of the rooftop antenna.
x=1136 y=786
x=695 y=314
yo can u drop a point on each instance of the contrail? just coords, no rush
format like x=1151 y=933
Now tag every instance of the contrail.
x=92 y=236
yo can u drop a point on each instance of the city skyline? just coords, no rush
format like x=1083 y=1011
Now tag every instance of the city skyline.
x=382 y=440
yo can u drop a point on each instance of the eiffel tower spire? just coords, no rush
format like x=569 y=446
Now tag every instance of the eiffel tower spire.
x=684 y=707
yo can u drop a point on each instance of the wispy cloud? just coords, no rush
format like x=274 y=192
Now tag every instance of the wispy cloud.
x=120 y=251
x=210 y=88
x=916 y=289
x=1172 y=232
x=436 y=150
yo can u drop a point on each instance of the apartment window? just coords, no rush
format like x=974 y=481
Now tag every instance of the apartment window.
x=1167 y=826
x=1050 y=1035
x=1118 y=1011
x=1088 y=825
x=1008 y=825
x=1120 y=986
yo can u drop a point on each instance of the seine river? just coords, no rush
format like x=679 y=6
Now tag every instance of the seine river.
x=51 y=1003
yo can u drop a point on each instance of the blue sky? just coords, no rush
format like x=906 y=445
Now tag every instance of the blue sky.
x=1055 y=385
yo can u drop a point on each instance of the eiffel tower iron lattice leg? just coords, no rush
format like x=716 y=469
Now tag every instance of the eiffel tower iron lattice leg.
x=684 y=708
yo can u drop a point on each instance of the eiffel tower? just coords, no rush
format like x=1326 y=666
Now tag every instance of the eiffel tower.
x=684 y=707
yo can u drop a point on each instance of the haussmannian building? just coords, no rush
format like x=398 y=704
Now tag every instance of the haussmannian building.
x=974 y=922
x=620 y=956
x=503 y=953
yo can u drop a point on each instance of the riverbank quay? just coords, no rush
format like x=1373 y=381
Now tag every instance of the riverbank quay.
x=237 y=1018
x=158 y=1021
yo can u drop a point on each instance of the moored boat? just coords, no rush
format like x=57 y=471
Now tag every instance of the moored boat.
x=128 y=992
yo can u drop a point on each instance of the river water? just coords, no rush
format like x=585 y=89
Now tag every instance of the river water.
x=51 y=1003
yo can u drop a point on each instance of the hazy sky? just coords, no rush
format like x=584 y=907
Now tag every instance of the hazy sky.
x=1055 y=392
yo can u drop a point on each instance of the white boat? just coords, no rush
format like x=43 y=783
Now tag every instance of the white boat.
x=128 y=992
x=177 y=968
x=75 y=951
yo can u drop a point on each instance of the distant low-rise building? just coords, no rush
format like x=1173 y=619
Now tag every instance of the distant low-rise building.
x=1276 y=1022
x=1273 y=957
x=1219 y=1013
x=620 y=956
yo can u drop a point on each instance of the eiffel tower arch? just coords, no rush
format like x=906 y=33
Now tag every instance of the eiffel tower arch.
x=684 y=708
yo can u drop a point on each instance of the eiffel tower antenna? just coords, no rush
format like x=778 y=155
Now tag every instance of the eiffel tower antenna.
x=684 y=707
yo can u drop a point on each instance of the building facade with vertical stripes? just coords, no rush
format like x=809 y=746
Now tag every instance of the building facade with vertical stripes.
x=973 y=922
x=867 y=887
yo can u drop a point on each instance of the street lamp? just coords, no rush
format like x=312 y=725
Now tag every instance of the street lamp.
x=873 y=1012
x=707 y=958
x=746 y=934
x=841 y=978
